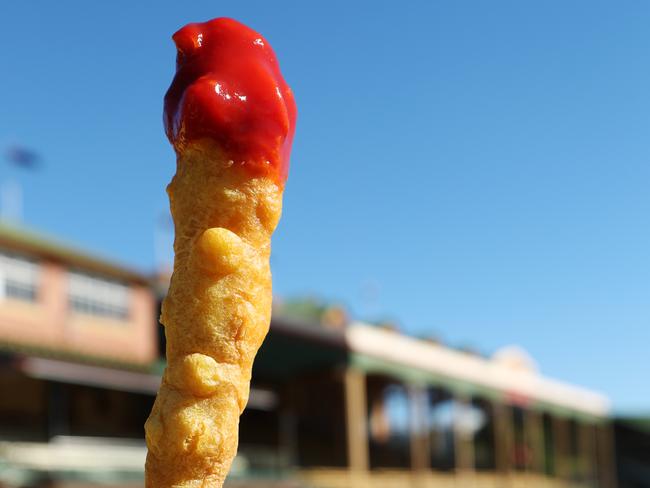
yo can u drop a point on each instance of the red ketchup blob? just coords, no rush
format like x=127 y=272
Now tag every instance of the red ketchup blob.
x=228 y=87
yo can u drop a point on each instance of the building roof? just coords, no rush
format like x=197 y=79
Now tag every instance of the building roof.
x=23 y=240
x=384 y=351
x=510 y=376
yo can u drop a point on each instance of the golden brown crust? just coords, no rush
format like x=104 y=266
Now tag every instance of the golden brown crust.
x=216 y=315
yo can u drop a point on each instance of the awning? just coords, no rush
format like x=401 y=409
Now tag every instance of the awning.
x=116 y=379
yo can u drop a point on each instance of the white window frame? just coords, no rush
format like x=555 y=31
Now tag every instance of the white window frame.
x=22 y=273
x=97 y=296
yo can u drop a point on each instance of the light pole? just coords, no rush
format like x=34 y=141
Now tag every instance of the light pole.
x=11 y=191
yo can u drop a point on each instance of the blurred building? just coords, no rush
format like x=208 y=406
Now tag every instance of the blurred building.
x=633 y=451
x=78 y=348
x=333 y=404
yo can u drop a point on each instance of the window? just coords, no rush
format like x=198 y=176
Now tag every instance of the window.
x=94 y=295
x=442 y=412
x=18 y=277
x=389 y=423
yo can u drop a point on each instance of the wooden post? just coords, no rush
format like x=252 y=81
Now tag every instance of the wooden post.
x=420 y=439
x=561 y=447
x=534 y=437
x=586 y=448
x=463 y=444
x=357 y=421
x=503 y=439
x=606 y=456
x=420 y=447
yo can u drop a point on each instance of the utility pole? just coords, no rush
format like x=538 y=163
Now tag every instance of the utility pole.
x=11 y=190
x=11 y=200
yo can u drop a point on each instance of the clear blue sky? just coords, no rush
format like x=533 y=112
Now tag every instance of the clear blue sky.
x=477 y=170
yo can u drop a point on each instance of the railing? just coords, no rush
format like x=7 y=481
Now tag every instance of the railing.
x=335 y=478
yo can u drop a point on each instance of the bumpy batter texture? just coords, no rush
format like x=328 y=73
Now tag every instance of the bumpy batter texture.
x=226 y=200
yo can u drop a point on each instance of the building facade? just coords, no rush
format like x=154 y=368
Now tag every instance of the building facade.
x=332 y=405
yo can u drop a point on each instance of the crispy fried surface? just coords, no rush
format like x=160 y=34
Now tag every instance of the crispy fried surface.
x=216 y=315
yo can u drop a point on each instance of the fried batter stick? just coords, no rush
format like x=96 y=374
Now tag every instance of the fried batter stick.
x=230 y=117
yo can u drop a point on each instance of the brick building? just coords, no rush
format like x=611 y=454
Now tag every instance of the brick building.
x=333 y=404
